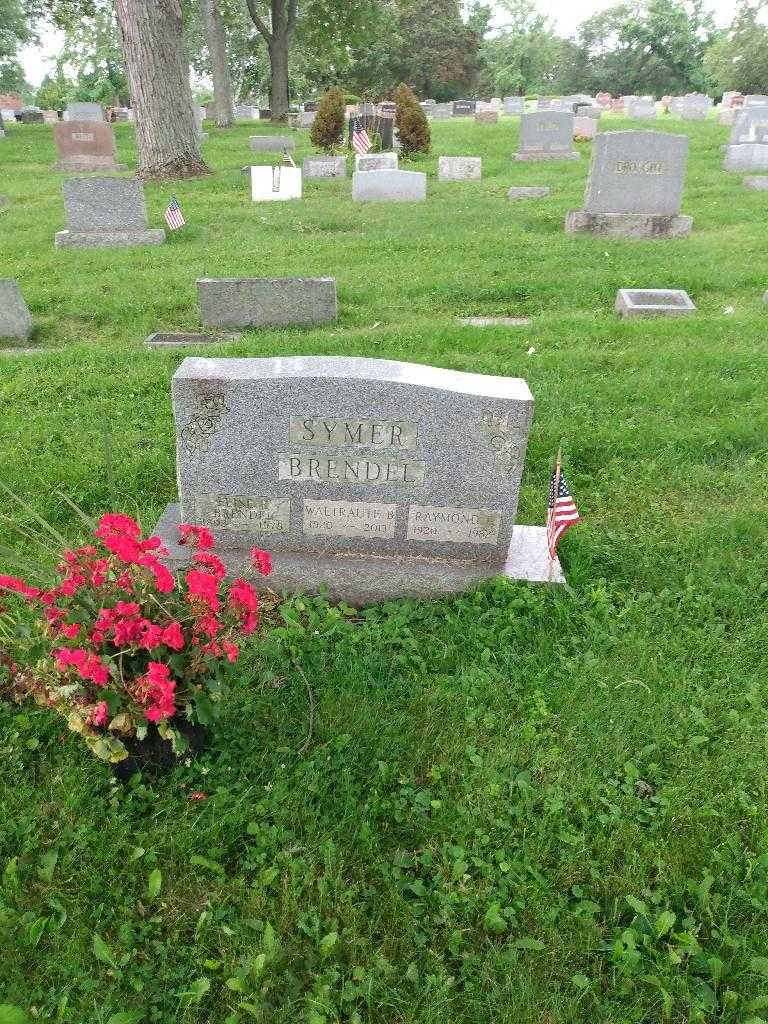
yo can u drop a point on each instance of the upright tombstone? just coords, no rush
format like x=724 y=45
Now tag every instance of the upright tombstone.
x=377 y=479
x=464 y=108
x=603 y=99
x=15 y=320
x=747 y=148
x=441 y=111
x=85 y=146
x=546 y=135
x=389 y=186
x=266 y=301
x=51 y=116
x=322 y=166
x=642 y=109
x=459 y=168
x=589 y=110
x=376 y=161
x=243 y=112
x=272 y=184
x=106 y=213
x=31 y=115
x=617 y=105
x=755 y=100
x=84 y=112
x=306 y=119
x=695 y=107
x=514 y=106
x=584 y=128
x=635 y=187
x=676 y=104
x=199 y=113
x=486 y=117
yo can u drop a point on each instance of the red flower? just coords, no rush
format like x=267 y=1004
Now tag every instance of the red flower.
x=205 y=586
x=159 y=690
x=164 y=580
x=86 y=663
x=69 y=630
x=117 y=522
x=261 y=561
x=98 y=715
x=245 y=602
x=198 y=794
x=152 y=636
x=196 y=536
x=211 y=562
x=18 y=586
x=173 y=636
x=231 y=650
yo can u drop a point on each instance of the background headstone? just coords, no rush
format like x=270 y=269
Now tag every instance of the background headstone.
x=106 y=212
x=266 y=301
x=514 y=106
x=464 y=108
x=379 y=125
x=15 y=320
x=85 y=146
x=272 y=143
x=84 y=112
x=389 y=186
x=324 y=166
x=459 y=168
x=546 y=135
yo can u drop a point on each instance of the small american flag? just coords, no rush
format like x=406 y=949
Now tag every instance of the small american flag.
x=562 y=513
x=174 y=218
x=361 y=141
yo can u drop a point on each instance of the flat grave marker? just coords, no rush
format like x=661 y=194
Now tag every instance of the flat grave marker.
x=389 y=186
x=650 y=302
x=266 y=301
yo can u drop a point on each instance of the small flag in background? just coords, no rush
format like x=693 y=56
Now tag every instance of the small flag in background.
x=562 y=513
x=174 y=218
x=361 y=141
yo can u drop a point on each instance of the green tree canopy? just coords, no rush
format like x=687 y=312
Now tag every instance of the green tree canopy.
x=522 y=56
x=739 y=58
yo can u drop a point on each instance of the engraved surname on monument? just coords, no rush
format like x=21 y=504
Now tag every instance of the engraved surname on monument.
x=82 y=136
x=449 y=525
x=350 y=470
x=361 y=433
x=240 y=512
x=639 y=167
x=350 y=519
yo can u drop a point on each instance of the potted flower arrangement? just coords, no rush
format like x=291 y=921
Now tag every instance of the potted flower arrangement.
x=132 y=656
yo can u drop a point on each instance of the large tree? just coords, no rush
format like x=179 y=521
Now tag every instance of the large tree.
x=158 y=76
x=210 y=13
x=439 y=55
x=521 y=57
x=14 y=32
x=739 y=58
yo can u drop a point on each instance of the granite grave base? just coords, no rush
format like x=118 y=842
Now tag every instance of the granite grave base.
x=757 y=181
x=648 y=302
x=628 y=225
x=528 y=192
x=359 y=579
x=534 y=155
x=108 y=239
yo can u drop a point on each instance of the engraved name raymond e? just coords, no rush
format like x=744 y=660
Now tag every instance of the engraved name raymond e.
x=453 y=525
x=308 y=469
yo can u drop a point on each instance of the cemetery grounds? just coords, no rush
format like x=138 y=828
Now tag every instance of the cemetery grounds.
x=522 y=804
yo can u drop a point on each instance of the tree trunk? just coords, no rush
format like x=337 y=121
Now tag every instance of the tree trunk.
x=283 y=14
x=158 y=78
x=217 y=50
x=278 y=62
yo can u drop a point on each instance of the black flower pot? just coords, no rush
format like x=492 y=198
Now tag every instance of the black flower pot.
x=153 y=755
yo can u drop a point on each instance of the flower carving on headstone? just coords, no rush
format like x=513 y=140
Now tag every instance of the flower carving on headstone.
x=196 y=434
x=495 y=431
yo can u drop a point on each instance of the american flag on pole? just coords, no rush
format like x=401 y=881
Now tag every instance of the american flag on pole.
x=361 y=141
x=174 y=218
x=562 y=513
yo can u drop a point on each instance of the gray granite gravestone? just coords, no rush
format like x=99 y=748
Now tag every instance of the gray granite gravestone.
x=648 y=302
x=272 y=143
x=324 y=167
x=642 y=110
x=15 y=320
x=266 y=301
x=747 y=148
x=635 y=186
x=755 y=100
x=486 y=117
x=695 y=107
x=759 y=182
x=514 y=106
x=546 y=135
x=376 y=161
x=380 y=128
x=306 y=119
x=84 y=112
x=441 y=111
x=106 y=212
x=199 y=113
x=377 y=478
x=464 y=108
x=389 y=186
x=459 y=168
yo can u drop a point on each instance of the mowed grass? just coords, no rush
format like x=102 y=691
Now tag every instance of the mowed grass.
x=517 y=805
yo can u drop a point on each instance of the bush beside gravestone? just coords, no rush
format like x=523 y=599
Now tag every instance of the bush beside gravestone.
x=411 y=122
x=327 y=130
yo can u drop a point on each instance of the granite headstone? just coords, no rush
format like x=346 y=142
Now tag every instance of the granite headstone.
x=106 y=213
x=546 y=135
x=15 y=320
x=85 y=146
x=266 y=301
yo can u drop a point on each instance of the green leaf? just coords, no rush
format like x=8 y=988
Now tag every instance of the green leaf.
x=197 y=990
x=48 y=865
x=102 y=951
x=269 y=940
x=205 y=712
x=664 y=923
x=34 y=932
x=126 y=1017
x=11 y=875
x=12 y=1015
x=328 y=942
x=203 y=862
x=759 y=964
x=637 y=905
x=493 y=920
x=154 y=883
x=528 y=943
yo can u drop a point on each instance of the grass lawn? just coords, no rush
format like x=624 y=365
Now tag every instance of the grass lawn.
x=518 y=805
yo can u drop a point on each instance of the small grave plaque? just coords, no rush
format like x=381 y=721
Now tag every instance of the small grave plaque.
x=376 y=478
x=389 y=186
x=272 y=143
x=325 y=167
x=459 y=168
x=648 y=302
x=15 y=320
x=84 y=112
x=546 y=135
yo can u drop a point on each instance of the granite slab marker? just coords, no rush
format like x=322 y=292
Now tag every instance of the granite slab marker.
x=324 y=166
x=272 y=143
x=459 y=168
x=376 y=162
x=377 y=478
x=85 y=146
x=266 y=301
x=528 y=192
x=106 y=213
x=389 y=186
x=635 y=186
x=84 y=112
x=546 y=135
x=649 y=302
x=15 y=318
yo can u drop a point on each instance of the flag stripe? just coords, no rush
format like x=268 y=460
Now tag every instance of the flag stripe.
x=562 y=513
